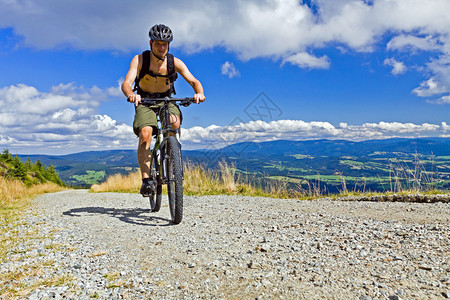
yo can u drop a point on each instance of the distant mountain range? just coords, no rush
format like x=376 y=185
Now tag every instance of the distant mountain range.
x=295 y=161
x=436 y=146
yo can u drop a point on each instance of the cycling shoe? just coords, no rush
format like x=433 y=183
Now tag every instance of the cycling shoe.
x=148 y=189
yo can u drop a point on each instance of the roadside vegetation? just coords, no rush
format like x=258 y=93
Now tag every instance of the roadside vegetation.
x=28 y=173
x=19 y=184
x=227 y=180
x=199 y=180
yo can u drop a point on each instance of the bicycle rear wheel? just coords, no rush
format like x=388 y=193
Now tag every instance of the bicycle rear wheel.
x=174 y=179
x=155 y=200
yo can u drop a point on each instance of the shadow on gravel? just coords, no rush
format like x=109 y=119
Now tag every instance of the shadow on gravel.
x=128 y=215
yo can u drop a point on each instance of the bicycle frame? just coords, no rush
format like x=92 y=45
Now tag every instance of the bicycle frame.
x=164 y=131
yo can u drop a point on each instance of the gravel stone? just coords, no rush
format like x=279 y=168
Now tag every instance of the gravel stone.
x=110 y=246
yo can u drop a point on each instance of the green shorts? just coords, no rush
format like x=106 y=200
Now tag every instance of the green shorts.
x=146 y=116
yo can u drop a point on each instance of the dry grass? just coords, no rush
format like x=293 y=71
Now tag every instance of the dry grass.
x=14 y=198
x=12 y=286
x=228 y=177
x=198 y=180
x=201 y=181
x=120 y=183
x=14 y=195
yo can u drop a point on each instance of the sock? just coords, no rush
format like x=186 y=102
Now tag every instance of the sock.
x=145 y=180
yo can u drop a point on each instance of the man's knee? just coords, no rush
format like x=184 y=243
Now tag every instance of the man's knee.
x=175 y=121
x=145 y=135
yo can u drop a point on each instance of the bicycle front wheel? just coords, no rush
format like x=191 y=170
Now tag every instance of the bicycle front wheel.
x=174 y=179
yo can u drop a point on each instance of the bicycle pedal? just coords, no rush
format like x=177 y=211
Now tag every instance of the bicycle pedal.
x=147 y=190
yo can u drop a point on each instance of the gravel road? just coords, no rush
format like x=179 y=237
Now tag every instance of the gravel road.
x=110 y=246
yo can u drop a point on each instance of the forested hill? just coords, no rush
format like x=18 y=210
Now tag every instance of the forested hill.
x=28 y=172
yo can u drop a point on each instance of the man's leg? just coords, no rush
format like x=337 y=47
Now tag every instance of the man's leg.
x=143 y=151
x=145 y=139
x=144 y=119
x=175 y=121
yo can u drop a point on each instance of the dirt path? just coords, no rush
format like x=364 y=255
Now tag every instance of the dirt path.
x=110 y=246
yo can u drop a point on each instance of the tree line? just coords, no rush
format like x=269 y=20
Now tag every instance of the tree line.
x=29 y=173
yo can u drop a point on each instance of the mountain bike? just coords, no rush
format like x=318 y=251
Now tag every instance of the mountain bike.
x=166 y=165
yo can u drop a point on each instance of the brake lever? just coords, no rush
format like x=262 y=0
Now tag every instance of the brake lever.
x=185 y=103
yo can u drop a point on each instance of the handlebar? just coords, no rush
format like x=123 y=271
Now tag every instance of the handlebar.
x=183 y=101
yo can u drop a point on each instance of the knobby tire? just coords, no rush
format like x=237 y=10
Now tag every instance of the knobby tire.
x=174 y=179
x=155 y=199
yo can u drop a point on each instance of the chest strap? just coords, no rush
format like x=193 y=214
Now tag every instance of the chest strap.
x=170 y=77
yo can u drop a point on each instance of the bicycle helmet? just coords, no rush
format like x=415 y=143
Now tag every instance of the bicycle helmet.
x=160 y=32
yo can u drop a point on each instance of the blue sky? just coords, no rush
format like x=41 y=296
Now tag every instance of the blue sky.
x=273 y=69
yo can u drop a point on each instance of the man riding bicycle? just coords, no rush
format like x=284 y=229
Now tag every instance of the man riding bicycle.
x=154 y=73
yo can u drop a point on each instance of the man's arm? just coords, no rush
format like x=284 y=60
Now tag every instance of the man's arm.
x=181 y=68
x=129 y=79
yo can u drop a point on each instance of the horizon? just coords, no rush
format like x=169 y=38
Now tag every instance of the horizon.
x=294 y=70
x=220 y=149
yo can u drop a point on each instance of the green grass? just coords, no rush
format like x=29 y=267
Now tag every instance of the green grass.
x=283 y=168
x=355 y=165
x=91 y=177
x=301 y=156
x=443 y=158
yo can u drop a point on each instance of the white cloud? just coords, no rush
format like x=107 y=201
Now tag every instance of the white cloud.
x=250 y=28
x=410 y=43
x=445 y=127
x=6 y=140
x=260 y=131
x=115 y=91
x=306 y=60
x=71 y=124
x=229 y=70
x=442 y=100
x=63 y=120
x=397 y=66
x=428 y=88
x=66 y=115
x=284 y=30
